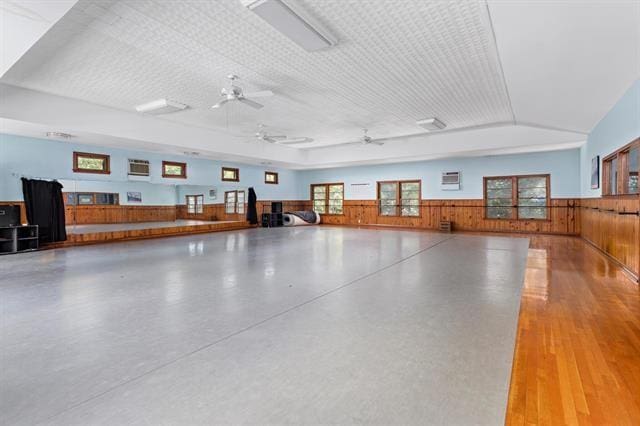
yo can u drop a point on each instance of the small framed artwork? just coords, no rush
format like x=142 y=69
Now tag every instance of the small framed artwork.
x=134 y=197
x=213 y=194
x=595 y=172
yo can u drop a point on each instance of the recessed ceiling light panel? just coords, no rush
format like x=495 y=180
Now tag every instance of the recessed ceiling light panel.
x=291 y=20
x=431 y=124
x=160 y=106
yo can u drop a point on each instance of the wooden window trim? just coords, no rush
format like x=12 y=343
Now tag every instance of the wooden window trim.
x=399 y=197
x=196 y=203
x=235 y=204
x=105 y=157
x=183 y=175
x=622 y=183
x=275 y=182
x=514 y=197
x=326 y=201
x=233 y=169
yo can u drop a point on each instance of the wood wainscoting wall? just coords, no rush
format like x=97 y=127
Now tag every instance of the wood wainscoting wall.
x=612 y=224
x=101 y=214
x=465 y=215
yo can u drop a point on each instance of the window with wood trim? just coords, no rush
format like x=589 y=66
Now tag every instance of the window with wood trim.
x=230 y=174
x=172 y=169
x=85 y=162
x=620 y=170
x=234 y=202
x=399 y=198
x=271 y=178
x=195 y=204
x=517 y=197
x=328 y=198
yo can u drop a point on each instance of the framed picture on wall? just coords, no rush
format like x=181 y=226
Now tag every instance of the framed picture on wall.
x=213 y=194
x=595 y=172
x=134 y=197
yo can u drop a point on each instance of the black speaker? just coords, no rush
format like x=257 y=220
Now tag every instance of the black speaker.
x=9 y=215
x=276 y=207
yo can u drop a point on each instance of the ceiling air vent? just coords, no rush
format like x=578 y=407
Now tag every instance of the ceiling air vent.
x=138 y=167
x=450 y=181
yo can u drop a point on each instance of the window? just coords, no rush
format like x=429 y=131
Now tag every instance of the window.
x=230 y=174
x=234 y=202
x=271 y=177
x=399 y=198
x=634 y=169
x=172 y=169
x=516 y=197
x=620 y=170
x=84 y=162
x=195 y=204
x=328 y=198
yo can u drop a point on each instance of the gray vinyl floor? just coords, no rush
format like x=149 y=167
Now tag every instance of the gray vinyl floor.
x=300 y=325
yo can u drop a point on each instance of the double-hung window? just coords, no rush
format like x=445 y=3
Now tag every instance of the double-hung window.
x=328 y=198
x=399 y=198
x=516 y=197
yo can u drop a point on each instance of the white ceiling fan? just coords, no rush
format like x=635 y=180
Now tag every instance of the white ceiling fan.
x=264 y=136
x=235 y=93
x=368 y=140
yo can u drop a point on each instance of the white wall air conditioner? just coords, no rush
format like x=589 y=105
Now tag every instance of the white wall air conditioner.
x=138 y=167
x=450 y=181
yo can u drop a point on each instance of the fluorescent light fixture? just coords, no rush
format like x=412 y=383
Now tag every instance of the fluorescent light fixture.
x=291 y=20
x=59 y=135
x=431 y=124
x=161 y=106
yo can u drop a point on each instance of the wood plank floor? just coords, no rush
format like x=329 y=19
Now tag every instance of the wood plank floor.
x=577 y=356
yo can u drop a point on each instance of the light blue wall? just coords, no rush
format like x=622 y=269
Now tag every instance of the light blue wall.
x=620 y=126
x=31 y=157
x=562 y=165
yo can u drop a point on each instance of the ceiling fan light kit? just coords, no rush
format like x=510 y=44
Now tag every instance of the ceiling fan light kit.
x=431 y=124
x=235 y=93
x=294 y=22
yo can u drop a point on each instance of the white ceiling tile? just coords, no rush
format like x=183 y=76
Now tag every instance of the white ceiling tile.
x=396 y=62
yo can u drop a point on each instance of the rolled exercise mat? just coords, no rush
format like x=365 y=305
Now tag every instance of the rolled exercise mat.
x=301 y=218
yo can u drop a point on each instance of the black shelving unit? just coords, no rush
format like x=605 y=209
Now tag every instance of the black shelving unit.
x=17 y=239
x=272 y=220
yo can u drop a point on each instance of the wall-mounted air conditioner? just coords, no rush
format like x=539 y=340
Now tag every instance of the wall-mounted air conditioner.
x=138 y=168
x=450 y=181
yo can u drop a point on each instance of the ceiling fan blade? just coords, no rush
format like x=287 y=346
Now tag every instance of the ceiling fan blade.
x=250 y=103
x=219 y=104
x=376 y=142
x=294 y=141
x=259 y=94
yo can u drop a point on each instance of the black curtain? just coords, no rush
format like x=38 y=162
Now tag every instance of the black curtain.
x=252 y=211
x=45 y=208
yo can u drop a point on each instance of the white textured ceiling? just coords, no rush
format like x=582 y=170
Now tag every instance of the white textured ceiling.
x=537 y=68
x=396 y=62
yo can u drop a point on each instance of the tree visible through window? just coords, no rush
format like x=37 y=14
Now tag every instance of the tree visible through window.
x=328 y=198
x=172 y=169
x=399 y=198
x=84 y=162
x=516 y=197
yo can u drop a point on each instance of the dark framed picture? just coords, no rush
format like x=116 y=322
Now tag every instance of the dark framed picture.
x=134 y=197
x=595 y=172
